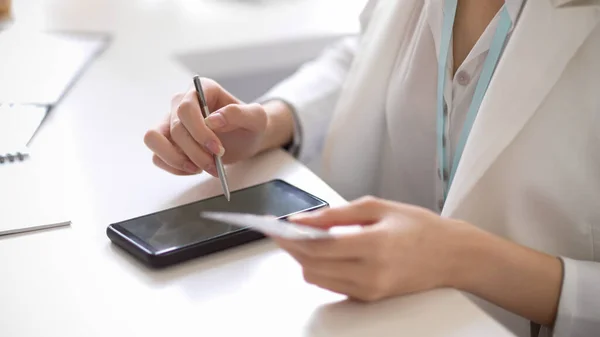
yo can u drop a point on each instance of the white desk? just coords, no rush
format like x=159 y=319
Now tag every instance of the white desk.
x=73 y=282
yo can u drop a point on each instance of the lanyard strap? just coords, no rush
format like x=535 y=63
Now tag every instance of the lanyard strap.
x=484 y=80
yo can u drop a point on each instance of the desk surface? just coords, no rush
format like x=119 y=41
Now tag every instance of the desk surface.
x=73 y=282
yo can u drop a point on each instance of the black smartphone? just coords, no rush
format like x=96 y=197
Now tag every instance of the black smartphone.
x=178 y=234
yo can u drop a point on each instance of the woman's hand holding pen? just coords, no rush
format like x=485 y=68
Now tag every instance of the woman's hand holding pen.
x=184 y=143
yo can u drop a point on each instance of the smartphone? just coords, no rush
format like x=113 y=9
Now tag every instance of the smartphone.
x=178 y=234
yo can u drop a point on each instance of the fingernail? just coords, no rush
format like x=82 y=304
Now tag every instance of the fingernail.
x=215 y=148
x=190 y=167
x=211 y=169
x=215 y=120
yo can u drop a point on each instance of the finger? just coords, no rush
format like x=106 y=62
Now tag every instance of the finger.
x=175 y=100
x=168 y=153
x=251 y=117
x=309 y=260
x=346 y=270
x=189 y=115
x=161 y=164
x=182 y=138
x=216 y=96
x=331 y=284
x=349 y=287
x=347 y=247
x=364 y=211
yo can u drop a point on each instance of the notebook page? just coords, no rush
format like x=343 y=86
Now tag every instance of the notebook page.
x=32 y=196
x=18 y=123
x=38 y=67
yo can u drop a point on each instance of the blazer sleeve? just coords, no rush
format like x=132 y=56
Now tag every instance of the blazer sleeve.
x=313 y=90
x=579 y=305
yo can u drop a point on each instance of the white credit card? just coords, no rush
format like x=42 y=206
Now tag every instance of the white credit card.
x=269 y=225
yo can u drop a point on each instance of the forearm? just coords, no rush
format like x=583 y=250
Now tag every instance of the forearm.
x=280 y=125
x=521 y=280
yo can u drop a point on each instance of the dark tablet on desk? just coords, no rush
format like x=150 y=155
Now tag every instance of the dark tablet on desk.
x=174 y=235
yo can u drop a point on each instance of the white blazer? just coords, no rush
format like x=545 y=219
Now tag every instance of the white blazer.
x=530 y=170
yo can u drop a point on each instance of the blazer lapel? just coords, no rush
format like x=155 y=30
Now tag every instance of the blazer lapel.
x=545 y=39
x=358 y=120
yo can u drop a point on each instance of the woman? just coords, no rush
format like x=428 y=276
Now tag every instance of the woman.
x=488 y=184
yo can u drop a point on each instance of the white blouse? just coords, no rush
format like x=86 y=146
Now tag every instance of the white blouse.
x=415 y=92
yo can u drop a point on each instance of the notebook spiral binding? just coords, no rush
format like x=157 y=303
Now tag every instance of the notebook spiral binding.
x=13 y=157
x=21 y=122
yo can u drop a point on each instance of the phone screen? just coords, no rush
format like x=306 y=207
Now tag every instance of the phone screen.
x=181 y=226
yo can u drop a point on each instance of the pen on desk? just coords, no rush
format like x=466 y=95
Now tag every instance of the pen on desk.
x=205 y=113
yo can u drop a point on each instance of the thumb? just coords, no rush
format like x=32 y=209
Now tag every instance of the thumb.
x=251 y=117
x=365 y=211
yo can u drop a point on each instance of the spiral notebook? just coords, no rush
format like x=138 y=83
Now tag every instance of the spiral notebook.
x=31 y=188
x=19 y=124
x=33 y=193
x=36 y=72
x=32 y=196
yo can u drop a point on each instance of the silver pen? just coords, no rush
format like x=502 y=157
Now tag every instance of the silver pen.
x=205 y=113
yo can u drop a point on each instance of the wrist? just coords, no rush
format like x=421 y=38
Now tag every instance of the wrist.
x=460 y=252
x=280 y=125
x=517 y=278
x=475 y=255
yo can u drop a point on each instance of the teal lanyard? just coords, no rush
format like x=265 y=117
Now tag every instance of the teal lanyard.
x=484 y=80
